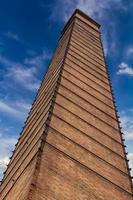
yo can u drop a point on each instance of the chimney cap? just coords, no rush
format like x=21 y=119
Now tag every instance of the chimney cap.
x=77 y=11
x=86 y=16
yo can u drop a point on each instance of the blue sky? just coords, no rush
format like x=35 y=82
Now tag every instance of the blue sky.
x=29 y=31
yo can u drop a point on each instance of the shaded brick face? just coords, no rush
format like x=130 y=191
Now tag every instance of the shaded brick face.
x=17 y=176
x=71 y=146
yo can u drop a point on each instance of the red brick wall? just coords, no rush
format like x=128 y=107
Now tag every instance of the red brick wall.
x=71 y=146
x=83 y=156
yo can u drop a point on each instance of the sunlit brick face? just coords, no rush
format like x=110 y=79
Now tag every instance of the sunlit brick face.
x=71 y=146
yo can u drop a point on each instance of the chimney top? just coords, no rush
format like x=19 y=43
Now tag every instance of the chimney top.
x=76 y=14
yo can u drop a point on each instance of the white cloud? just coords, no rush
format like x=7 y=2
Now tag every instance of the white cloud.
x=93 y=8
x=127 y=124
x=99 y=10
x=23 y=105
x=127 y=127
x=7 y=109
x=17 y=109
x=130 y=52
x=129 y=135
x=25 y=73
x=3 y=164
x=12 y=36
x=26 y=77
x=125 y=69
x=6 y=147
x=37 y=60
x=130 y=157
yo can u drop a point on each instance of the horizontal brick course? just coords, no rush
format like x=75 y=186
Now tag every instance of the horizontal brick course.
x=87 y=117
x=89 y=160
x=111 y=148
x=89 y=74
x=87 y=106
x=24 y=180
x=65 y=81
x=67 y=179
x=71 y=146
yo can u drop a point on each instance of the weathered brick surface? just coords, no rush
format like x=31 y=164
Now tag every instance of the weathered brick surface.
x=88 y=159
x=87 y=106
x=92 y=32
x=104 y=98
x=16 y=172
x=89 y=75
x=30 y=139
x=21 y=187
x=78 y=89
x=63 y=103
x=88 y=67
x=62 y=177
x=86 y=48
x=24 y=151
x=84 y=58
x=71 y=147
x=84 y=40
x=110 y=147
x=87 y=53
x=89 y=37
x=87 y=81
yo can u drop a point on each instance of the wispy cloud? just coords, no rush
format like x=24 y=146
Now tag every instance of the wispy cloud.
x=4 y=107
x=130 y=157
x=16 y=109
x=6 y=147
x=26 y=77
x=22 y=105
x=127 y=124
x=21 y=76
x=93 y=8
x=12 y=36
x=125 y=69
x=99 y=10
x=37 y=60
x=127 y=127
x=25 y=73
x=130 y=52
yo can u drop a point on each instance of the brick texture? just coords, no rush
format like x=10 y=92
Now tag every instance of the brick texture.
x=71 y=146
